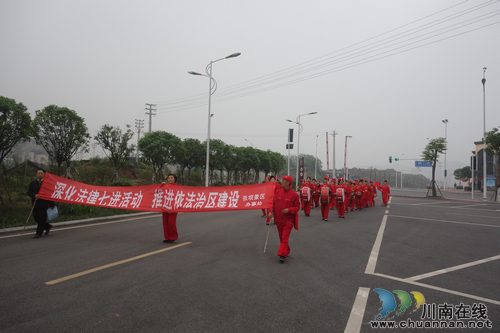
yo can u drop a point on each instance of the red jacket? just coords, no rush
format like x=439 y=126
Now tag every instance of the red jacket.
x=286 y=199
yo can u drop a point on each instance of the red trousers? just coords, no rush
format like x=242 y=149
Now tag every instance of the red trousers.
x=268 y=219
x=352 y=202
x=385 y=198
x=358 y=201
x=284 y=230
x=170 y=226
x=307 y=207
x=347 y=203
x=316 y=200
x=333 y=201
x=325 y=210
x=340 y=208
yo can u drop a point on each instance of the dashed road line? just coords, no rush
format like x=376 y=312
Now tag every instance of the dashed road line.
x=372 y=262
x=358 y=311
x=69 y=277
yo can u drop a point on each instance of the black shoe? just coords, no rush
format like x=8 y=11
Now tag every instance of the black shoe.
x=37 y=236
x=326 y=219
x=267 y=223
x=48 y=230
x=343 y=217
x=166 y=241
x=169 y=241
x=307 y=214
x=282 y=259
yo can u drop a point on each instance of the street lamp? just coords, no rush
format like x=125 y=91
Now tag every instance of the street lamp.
x=484 y=135
x=249 y=142
x=445 y=153
x=212 y=87
x=298 y=140
x=345 y=156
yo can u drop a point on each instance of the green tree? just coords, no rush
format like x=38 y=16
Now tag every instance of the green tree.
x=159 y=148
x=431 y=154
x=15 y=125
x=462 y=173
x=114 y=142
x=61 y=132
x=194 y=155
x=278 y=163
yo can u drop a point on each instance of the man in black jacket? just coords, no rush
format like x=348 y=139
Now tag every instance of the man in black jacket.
x=40 y=208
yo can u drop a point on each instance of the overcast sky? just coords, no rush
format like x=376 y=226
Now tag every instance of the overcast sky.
x=386 y=72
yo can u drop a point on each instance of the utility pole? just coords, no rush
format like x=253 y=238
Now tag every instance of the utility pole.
x=333 y=157
x=139 y=124
x=150 y=113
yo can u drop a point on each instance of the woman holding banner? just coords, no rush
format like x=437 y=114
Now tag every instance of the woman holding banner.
x=170 y=219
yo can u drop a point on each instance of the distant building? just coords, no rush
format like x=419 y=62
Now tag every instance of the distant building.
x=490 y=165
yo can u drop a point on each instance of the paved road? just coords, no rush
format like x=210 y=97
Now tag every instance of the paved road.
x=118 y=276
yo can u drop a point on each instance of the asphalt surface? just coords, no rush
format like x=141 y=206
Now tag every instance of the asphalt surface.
x=217 y=278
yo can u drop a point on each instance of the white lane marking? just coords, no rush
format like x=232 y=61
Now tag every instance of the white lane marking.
x=387 y=211
x=453 y=292
x=86 y=225
x=482 y=216
x=451 y=269
x=468 y=206
x=430 y=203
x=421 y=218
x=358 y=311
x=483 y=210
x=372 y=262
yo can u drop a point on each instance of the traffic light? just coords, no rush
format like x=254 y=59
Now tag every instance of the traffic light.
x=396 y=159
x=390 y=159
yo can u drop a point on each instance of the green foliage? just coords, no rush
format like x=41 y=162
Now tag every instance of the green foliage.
x=159 y=148
x=431 y=153
x=115 y=145
x=462 y=173
x=121 y=182
x=61 y=132
x=219 y=183
x=493 y=142
x=15 y=125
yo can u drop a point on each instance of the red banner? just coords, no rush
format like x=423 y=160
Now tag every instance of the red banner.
x=159 y=198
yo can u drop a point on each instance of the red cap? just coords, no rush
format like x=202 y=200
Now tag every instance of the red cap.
x=288 y=179
x=303 y=180
x=371 y=181
x=326 y=177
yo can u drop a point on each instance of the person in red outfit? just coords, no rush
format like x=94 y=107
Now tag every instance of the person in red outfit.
x=307 y=202
x=263 y=210
x=333 y=187
x=315 y=193
x=170 y=219
x=358 y=191
x=340 y=199
x=325 y=205
x=386 y=193
x=350 y=192
x=286 y=206
x=373 y=193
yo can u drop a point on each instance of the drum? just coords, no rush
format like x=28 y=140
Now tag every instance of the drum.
x=305 y=193
x=325 y=192
x=340 y=194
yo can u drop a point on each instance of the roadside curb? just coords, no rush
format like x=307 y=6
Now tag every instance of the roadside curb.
x=84 y=221
x=442 y=198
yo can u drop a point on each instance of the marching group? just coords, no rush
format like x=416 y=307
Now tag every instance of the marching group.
x=333 y=193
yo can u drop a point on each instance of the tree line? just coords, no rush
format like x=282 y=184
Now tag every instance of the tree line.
x=62 y=133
